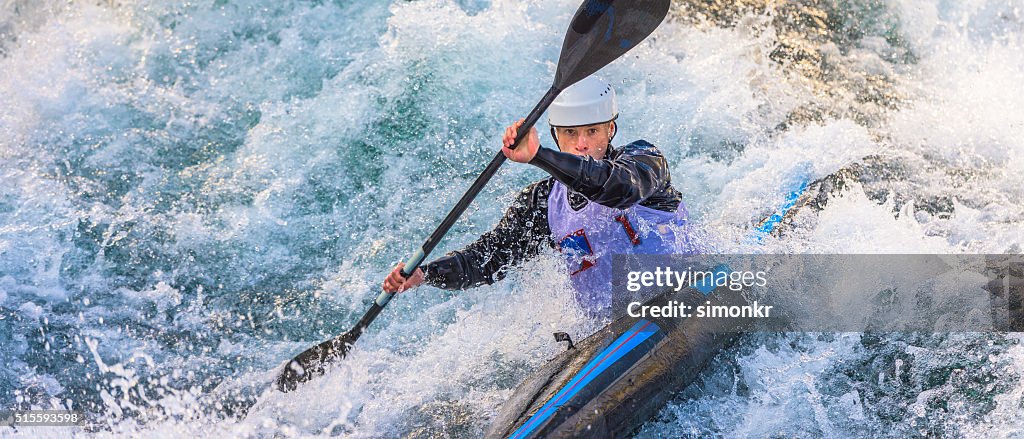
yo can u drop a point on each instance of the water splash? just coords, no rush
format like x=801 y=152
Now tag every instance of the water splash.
x=191 y=193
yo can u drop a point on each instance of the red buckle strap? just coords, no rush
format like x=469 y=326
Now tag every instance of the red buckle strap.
x=633 y=237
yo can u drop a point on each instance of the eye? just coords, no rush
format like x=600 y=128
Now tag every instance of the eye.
x=592 y=131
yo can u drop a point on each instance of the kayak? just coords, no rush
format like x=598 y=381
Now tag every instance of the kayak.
x=614 y=380
x=610 y=383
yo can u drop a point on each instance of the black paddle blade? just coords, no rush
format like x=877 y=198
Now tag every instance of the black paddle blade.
x=312 y=363
x=603 y=30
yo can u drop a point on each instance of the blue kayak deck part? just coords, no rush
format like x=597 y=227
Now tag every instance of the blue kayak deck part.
x=616 y=379
x=771 y=223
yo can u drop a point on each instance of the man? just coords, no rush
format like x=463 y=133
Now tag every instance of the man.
x=599 y=201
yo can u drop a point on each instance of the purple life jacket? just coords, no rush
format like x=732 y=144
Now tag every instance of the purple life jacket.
x=590 y=236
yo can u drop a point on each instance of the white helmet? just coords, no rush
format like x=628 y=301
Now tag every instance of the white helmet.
x=587 y=102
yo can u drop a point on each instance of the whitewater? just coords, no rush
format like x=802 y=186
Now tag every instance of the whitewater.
x=193 y=192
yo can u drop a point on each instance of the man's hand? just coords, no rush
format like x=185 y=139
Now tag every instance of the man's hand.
x=526 y=150
x=395 y=283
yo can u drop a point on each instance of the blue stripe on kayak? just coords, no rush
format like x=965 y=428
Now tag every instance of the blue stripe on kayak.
x=642 y=330
x=773 y=221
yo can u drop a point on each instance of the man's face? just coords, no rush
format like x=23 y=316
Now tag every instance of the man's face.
x=587 y=140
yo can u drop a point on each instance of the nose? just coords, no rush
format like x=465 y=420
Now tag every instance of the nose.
x=582 y=144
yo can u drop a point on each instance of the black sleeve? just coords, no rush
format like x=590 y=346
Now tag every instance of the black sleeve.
x=518 y=236
x=620 y=180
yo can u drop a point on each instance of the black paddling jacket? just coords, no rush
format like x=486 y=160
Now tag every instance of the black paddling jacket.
x=633 y=174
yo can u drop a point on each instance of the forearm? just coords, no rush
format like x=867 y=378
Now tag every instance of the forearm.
x=618 y=183
x=582 y=174
x=482 y=262
x=453 y=272
x=518 y=236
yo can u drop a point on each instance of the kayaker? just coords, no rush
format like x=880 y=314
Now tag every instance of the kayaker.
x=600 y=200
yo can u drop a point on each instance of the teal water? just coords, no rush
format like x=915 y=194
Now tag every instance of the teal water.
x=192 y=193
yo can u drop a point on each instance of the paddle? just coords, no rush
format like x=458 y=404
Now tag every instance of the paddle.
x=600 y=32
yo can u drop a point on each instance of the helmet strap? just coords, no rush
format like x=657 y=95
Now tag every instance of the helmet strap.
x=553 y=136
